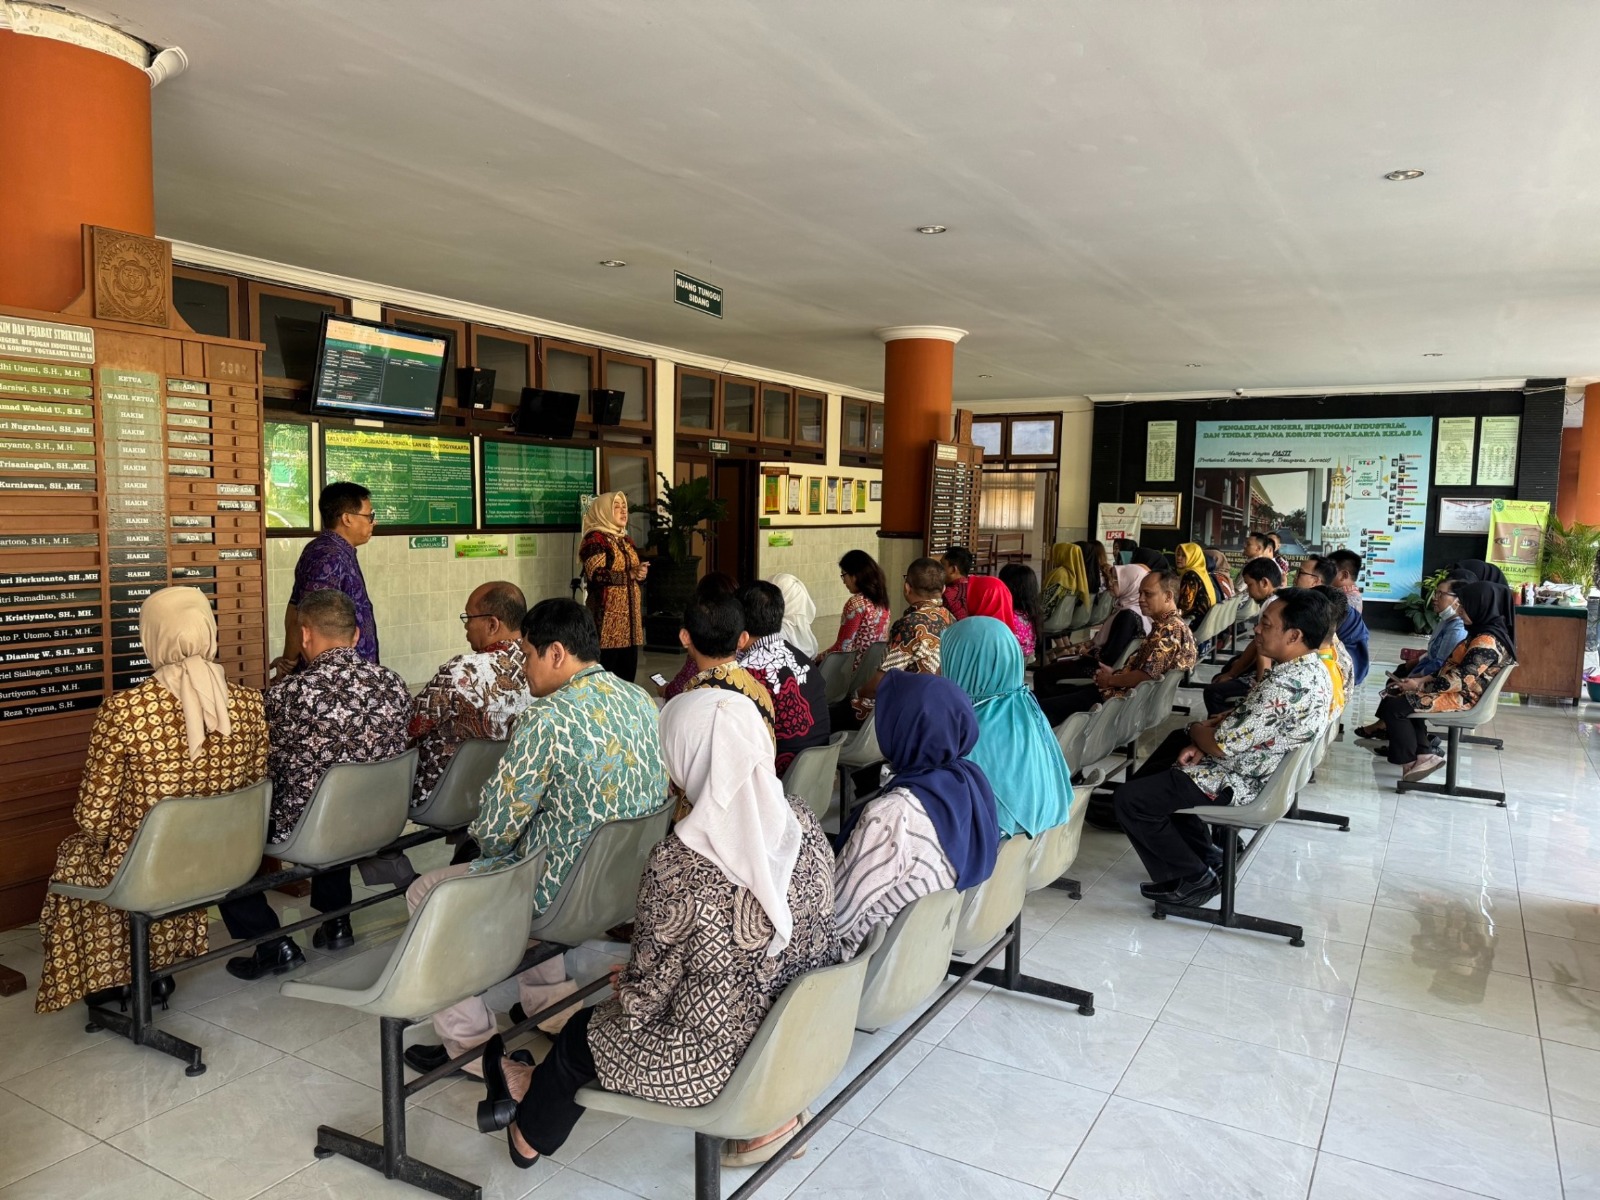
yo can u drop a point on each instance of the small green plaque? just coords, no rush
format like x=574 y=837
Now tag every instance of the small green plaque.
x=697 y=294
x=45 y=388
x=718 y=445
x=44 y=370
x=430 y=541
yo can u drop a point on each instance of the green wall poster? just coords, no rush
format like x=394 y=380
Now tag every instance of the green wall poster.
x=288 y=475
x=414 y=479
x=1516 y=538
x=526 y=484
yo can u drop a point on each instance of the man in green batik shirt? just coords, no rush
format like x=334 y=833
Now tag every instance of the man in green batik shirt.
x=586 y=751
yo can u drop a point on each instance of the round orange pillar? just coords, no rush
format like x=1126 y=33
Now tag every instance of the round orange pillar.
x=1587 y=509
x=918 y=375
x=74 y=150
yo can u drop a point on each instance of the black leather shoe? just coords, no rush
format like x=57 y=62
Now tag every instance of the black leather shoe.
x=1158 y=888
x=423 y=1058
x=334 y=934
x=106 y=997
x=1194 y=892
x=271 y=958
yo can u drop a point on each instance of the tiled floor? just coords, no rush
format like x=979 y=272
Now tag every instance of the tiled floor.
x=1437 y=1038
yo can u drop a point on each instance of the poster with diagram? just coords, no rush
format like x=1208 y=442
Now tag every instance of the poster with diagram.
x=1320 y=486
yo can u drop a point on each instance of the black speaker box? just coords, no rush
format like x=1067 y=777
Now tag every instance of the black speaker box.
x=606 y=406
x=474 y=387
x=547 y=414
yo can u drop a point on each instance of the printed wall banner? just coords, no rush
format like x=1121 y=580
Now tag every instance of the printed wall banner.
x=1113 y=521
x=772 y=493
x=794 y=495
x=1319 y=486
x=1516 y=538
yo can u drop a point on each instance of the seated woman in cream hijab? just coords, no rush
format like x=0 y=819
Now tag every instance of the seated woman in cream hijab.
x=735 y=902
x=185 y=731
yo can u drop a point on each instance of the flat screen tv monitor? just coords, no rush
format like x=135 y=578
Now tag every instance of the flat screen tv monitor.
x=365 y=369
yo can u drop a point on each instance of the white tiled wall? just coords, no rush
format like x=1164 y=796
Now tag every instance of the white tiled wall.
x=418 y=595
x=814 y=560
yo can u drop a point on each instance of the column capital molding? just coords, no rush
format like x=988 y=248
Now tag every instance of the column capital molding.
x=940 y=333
x=75 y=29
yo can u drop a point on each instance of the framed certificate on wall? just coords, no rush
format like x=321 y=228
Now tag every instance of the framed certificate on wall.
x=1159 y=510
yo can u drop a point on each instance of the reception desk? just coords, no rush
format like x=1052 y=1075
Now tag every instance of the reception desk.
x=1549 y=651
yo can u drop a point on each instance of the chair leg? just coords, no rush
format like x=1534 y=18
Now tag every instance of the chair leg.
x=1450 y=786
x=1473 y=739
x=1296 y=813
x=1227 y=915
x=1070 y=886
x=390 y=1159
x=1012 y=979
x=707 y=1167
x=140 y=1027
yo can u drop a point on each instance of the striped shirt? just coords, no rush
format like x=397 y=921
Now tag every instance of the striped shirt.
x=892 y=858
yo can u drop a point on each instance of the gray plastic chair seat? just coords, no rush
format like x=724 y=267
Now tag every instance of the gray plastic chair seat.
x=1056 y=849
x=1127 y=654
x=836 y=673
x=1480 y=713
x=1059 y=619
x=1274 y=799
x=812 y=773
x=357 y=809
x=602 y=889
x=802 y=1045
x=454 y=801
x=871 y=659
x=187 y=852
x=988 y=909
x=1100 y=739
x=1070 y=735
x=469 y=933
x=860 y=748
x=913 y=961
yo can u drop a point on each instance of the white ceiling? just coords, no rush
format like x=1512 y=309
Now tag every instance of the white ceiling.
x=1130 y=185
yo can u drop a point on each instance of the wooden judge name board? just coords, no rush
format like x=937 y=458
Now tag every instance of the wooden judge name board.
x=955 y=484
x=130 y=459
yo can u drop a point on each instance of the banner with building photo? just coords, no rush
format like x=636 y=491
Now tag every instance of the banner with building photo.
x=1319 y=486
x=1516 y=538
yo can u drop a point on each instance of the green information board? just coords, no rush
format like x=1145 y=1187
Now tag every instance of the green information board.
x=288 y=475
x=534 y=485
x=414 y=479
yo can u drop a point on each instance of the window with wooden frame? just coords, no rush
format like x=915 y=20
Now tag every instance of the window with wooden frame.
x=454 y=333
x=1018 y=437
x=738 y=423
x=874 y=429
x=855 y=426
x=698 y=396
x=631 y=470
x=777 y=414
x=635 y=378
x=566 y=367
x=288 y=322
x=209 y=302
x=511 y=357
x=810 y=420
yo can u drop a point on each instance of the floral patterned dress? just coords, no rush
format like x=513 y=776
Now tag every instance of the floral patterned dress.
x=1468 y=670
x=475 y=695
x=609 y=563
x=138 y=756
x=862 y=624
x=699 y=983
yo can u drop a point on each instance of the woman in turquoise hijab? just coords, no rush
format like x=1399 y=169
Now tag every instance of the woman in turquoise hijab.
x=1016 y=749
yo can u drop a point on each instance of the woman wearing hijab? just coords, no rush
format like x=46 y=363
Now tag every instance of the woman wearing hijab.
x=612 y=572
x=1067 y=576
x=1487 y=650
x=185 y=731
x=1149 y=559
x=1217 y=565
x=799 y=614
x=1196 y=592
x=988 y=596
x=1478 y=570
x=735 y=903
x=1016 y=750
x=934 y=826
x=1083 y=659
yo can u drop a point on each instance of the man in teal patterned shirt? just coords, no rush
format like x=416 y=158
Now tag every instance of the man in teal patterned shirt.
x=586 y=751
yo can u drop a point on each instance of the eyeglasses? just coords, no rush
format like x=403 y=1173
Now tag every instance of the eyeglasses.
x=371 y=516
x=465 y=617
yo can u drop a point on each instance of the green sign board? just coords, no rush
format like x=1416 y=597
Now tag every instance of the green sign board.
x=718 y=445
x=288 y=475
x=534 y=485
x=43 y=370
x=696 y=293
x=430 y=541
x=414 y=479
x=483 y=545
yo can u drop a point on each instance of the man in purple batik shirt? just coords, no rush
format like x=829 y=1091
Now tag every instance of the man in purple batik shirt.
x=330 y=562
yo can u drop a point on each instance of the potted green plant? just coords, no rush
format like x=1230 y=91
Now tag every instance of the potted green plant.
x=1418 y=607
x=1570 y=553
x=680 y=514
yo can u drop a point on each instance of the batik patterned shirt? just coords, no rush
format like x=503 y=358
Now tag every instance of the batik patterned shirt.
x=475 y=695
x=913 y=644
x=1287 y=708
x=329 y=562
x=799 y=698
x=588 y=753
x=733 y=677
x=1169 y=646
x=339 y=708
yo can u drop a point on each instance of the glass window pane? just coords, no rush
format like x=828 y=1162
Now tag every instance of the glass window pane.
x=565 y=371
x=509 y=362
x=775 y=414
x=738 y=407
x=633 y=382
x=987 y=435
x=854 y=432
x=697 y=396
x=630 y=473
x=875 y=428
x=809 y=410
x=290 y=329
x=449 y=336
x=203 y=304
x=1033 y=437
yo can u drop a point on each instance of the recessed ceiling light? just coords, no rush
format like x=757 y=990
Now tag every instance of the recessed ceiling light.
x=612 y=262
x=1408 y=173
x=932 y=228
x=985 y=376
x=1194 y=364
x=1433 y=354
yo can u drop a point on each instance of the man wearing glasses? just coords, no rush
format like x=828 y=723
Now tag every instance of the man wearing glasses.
x=329 y=561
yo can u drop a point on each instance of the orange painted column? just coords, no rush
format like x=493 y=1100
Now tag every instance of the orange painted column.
x=918 y=377
x=1587 y=508
x=74 y=150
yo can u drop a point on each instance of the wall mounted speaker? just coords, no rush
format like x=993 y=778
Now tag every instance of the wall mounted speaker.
x=606 y=406
x=474 y=387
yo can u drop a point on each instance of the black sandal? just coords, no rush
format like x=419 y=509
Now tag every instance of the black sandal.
x=498 y=1110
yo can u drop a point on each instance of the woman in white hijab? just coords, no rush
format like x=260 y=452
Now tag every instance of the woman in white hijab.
x=185 y=731
x=799 y=614
x=734 y=903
